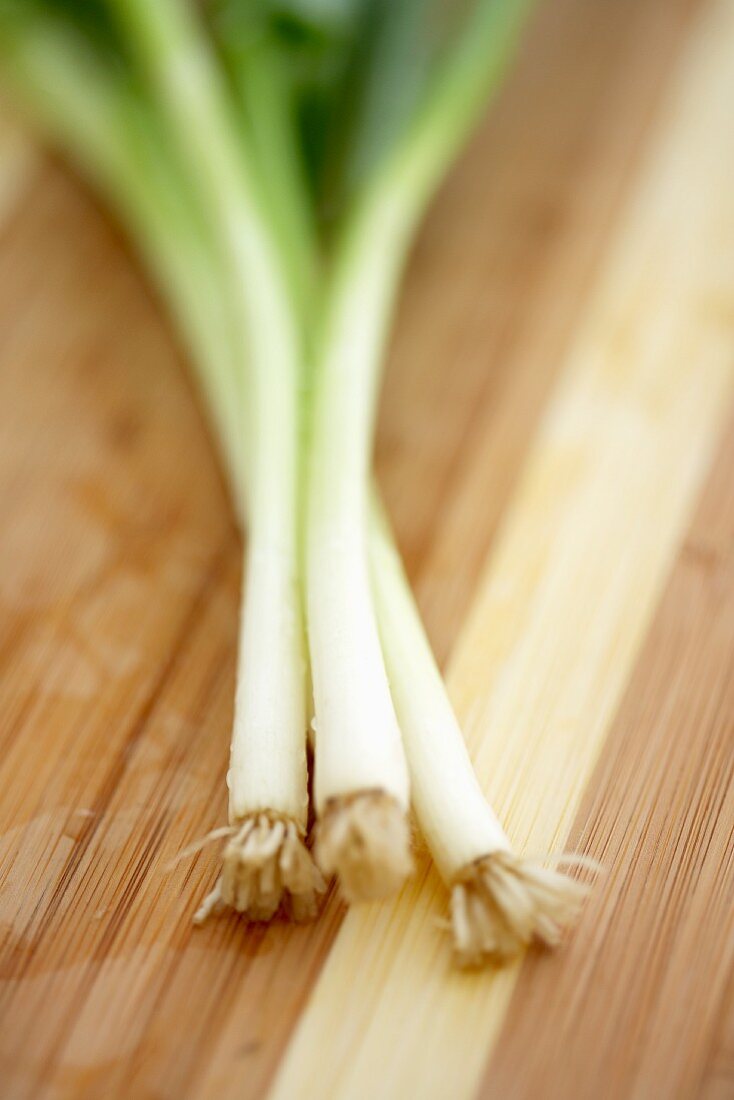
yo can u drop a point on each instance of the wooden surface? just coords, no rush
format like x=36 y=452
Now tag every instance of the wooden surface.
x=576 y=276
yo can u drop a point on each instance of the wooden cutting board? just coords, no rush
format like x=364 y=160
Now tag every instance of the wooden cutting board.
x=557 y=448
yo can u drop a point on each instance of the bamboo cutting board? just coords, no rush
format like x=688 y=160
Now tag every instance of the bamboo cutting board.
x=556 y=447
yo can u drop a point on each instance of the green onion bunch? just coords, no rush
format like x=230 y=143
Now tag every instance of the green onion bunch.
x=272 y=159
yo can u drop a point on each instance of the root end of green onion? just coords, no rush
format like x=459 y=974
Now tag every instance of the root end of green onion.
x=267 y=868
x=501 y=904
x=364 y=839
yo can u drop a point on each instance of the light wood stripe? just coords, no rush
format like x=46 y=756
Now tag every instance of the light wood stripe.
x=543 y=659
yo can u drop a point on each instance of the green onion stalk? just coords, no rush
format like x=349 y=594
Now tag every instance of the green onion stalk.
x=198 y=143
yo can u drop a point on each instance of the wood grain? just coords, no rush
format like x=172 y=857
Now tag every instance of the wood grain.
x=119 y=562
x=639 y=1002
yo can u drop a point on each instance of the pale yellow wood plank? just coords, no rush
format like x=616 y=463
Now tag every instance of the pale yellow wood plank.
x=567 y=595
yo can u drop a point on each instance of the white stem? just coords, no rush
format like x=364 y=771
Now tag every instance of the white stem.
x=358 y=744
x=268 y=764
x=500 y=903
x=454 y=816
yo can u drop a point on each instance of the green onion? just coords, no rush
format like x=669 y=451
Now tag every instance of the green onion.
x=273 y=167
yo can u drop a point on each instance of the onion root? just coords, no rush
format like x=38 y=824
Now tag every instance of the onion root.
x=501 y=904
x=266 y=868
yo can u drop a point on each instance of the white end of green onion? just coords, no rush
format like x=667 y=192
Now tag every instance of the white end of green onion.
x=365 y=840
x=265 y=863
x=500 y=902
x=361 y=777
